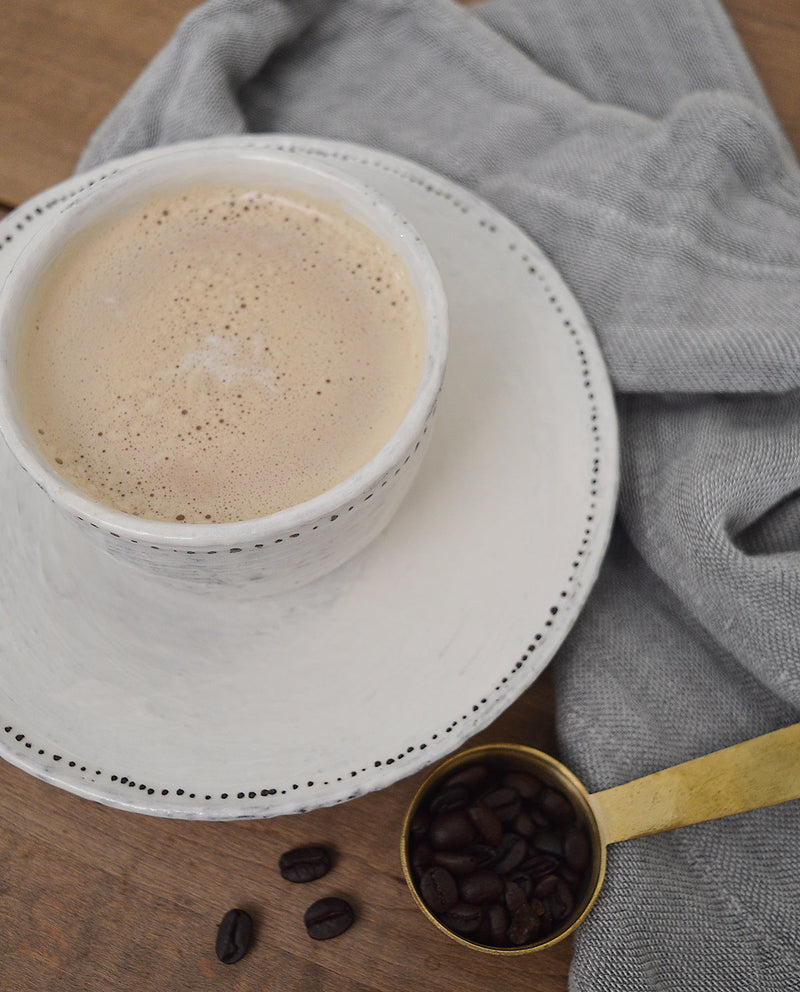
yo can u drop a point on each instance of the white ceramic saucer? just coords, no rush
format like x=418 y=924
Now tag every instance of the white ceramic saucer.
x=129 y=691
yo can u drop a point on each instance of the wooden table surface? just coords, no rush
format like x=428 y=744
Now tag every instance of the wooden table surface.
x=96 y=899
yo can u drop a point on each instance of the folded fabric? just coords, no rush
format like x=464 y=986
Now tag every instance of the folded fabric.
x=634 y=144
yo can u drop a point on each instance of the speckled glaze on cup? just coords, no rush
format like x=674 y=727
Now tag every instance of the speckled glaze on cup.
x=291 y=547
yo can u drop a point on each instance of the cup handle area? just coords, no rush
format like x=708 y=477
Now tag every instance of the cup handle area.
x=760 y=772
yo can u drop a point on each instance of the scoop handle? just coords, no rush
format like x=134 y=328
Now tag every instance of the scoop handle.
x=760 y=772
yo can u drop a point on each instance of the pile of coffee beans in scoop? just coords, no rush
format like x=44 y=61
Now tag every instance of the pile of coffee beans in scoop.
x=497 y=855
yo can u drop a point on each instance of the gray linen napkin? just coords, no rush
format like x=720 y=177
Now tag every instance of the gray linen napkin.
x=634 y=144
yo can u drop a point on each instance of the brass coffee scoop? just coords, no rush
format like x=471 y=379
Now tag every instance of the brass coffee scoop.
x=760 y=772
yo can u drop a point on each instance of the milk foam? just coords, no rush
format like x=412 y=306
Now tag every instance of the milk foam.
x=219 y=354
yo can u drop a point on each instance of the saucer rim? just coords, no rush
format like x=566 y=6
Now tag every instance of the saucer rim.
x=592 y=555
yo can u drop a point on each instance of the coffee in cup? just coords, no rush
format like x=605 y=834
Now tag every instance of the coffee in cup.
x=219 y=352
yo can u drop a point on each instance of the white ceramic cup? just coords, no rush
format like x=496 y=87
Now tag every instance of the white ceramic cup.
x=293 y=546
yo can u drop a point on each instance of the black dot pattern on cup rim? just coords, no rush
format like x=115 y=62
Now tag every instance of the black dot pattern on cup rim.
x=116 y=784
x=304 y=532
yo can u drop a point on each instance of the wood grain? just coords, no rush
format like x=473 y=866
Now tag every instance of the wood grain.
x=63 y=66
x=770 y=32
x=93 y=899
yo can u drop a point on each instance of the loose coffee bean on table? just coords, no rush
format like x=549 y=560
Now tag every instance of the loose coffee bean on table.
x=498 y=856
x=234 y=934
x=328 y=917
x=305 y=864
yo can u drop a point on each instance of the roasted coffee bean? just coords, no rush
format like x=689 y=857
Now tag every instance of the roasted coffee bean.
x=547 y=921
x=523 y=880
x=538 y=817
x=511 y=852
x=537 y=907
x=305 y=864
x=540 y=864
x=451 y=831
x=549 y=842
x=570 y=876
x=481 y=886
x=485 y=854
x=555 y=806
x=234 y=934
x=526 y=786
x=561 y=901
x=497 y=920
x=514 y=896
x=438 y=889
x=471 y=776
x=463 y=862
x=523 y=824
x=576 y=848
x=545 y=886
x=328 y=917
x=504 y=801
x=482 y=934
x=486 y=822
x=422 y=858
x=464 y=918
x=456 y=797
x=524 y=926
x=420 y=822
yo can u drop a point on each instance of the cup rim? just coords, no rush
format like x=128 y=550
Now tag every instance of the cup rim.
x=28 y=266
